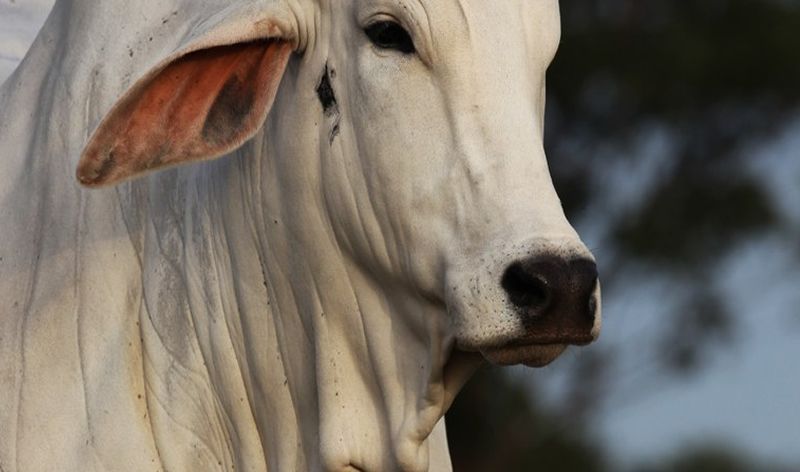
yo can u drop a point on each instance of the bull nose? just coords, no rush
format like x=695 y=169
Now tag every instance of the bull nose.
x=556 y=295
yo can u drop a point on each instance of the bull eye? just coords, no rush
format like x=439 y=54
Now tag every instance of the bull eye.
x=390 y=35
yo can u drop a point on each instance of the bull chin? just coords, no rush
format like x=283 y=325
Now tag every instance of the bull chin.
x=531 y=355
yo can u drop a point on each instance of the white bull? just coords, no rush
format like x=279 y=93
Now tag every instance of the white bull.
x=313 y=301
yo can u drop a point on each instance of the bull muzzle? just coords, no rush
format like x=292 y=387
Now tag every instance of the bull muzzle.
x=528 y=309
x=554 y=297
x=557 y=302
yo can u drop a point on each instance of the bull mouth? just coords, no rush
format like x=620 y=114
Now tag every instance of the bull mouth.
x=532 y=353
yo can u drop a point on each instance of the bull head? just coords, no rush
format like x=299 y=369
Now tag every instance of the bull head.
x=400 y=144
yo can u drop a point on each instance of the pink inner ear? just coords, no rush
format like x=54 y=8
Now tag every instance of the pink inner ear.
x=200 y=106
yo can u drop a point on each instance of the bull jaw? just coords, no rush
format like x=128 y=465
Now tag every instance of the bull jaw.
x=532 y=355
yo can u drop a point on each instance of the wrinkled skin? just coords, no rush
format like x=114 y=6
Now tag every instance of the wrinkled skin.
x=315 y=299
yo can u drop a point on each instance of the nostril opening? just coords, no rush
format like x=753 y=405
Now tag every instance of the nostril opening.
x=525 y=290
x=592 y=307
x=592 y=296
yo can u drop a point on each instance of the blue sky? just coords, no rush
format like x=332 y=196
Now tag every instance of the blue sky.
x=750 y=392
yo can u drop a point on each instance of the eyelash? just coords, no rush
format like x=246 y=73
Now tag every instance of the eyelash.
x=390 y=35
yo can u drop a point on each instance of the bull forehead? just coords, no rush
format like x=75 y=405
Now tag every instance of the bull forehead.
x=485 y=55
x=448 y=28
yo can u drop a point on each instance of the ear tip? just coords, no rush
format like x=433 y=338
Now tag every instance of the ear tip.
x=88 y=177
x=96 y=169
x=86 y=182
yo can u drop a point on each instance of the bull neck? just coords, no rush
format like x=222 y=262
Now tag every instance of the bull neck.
x=310 y=361
x=365 y=359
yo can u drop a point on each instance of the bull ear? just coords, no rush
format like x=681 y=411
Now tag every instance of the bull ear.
x=199 y=106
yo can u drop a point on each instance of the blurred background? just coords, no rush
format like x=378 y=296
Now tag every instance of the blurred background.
x=673 y=135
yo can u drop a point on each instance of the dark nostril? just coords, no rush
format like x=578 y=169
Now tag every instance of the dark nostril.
x=555 y=298
x=526 y=289
x=584 y=282
x=592 y=308
x=544 y=284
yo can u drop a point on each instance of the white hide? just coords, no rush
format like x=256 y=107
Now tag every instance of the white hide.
x=292 y=306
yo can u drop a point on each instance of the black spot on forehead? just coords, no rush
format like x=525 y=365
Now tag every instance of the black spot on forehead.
x=328 y=100
x=325 y=93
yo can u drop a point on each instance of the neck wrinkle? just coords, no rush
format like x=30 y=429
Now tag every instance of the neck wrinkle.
x=314 y=362
x=364 y=357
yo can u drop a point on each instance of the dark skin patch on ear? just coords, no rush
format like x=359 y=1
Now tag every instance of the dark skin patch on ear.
x=229 y=111
x=106 y=167
x=197 y=106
